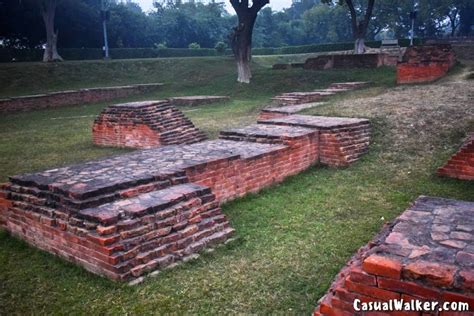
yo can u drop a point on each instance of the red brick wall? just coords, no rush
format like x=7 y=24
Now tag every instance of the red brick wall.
x=461 y=164
x=410 y=259
x=126 y=248
x=342 y=146
x=64 y=98
x=134 y=136
x=425 y=63
x=144 y=125
x=412 y=73
x=230 y=179
x=4 y=205
x=265 y=115
x=338 y=145
x=347 y=61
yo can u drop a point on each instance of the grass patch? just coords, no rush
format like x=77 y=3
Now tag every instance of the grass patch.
x=293 y=237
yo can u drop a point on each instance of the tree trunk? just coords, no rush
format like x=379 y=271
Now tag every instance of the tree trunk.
x=359 y=28
x=48 y=11
x=466 y=18
x=359 y=46
x=241 y=36
x=242 y=48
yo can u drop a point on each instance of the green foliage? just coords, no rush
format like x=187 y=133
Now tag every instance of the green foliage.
x=160 y=46
x=177 y=24
x=220 y=47
x=9 y=54
x=194 y=46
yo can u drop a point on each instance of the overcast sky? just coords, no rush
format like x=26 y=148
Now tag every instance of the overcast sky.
x=274 y=4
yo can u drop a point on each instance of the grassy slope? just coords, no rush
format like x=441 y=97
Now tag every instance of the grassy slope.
x=293 y=237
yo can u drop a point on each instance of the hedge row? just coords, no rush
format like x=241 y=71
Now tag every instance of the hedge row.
x=317 y=48
x=7 y=54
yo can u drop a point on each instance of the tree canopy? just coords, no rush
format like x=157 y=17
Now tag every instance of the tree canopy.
x=174 y=23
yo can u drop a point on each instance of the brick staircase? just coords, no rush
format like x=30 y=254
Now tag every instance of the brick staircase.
x=461 y=164
x=426 y=254
x=293 y=102
x=144 y=125
x=342 y=141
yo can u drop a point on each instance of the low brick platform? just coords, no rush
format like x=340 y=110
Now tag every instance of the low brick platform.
x=298 y=98
x=293 y=98
x=341 y=140
x=197 y=100
x=73 y=97
x=281 y=111
x=122 y=239
x=425 y=63
x=349 y=85
x=144 y=125
x=368 y=60
x=427 y=253
x=461 y=164
x=127 y=215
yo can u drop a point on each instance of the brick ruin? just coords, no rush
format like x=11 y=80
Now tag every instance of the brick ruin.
x=323 y=62
x=126 y=216
x=425 y=63
x=73 y=97
x=293 y=102
x=427 y=253
x=144 y=125
x=342 y=141
x=461 y=164
x=293 y=98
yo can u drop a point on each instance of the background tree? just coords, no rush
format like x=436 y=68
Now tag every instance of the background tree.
x=466 y=17
x=327 y=24
x=241 y=36
x=360 y=19
x=48 y=12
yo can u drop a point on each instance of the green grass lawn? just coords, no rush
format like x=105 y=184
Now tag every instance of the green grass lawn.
x=292 y=238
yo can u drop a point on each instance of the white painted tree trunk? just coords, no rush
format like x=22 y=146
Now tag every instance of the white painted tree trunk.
x=51 y=49
x=359 y=46
x=244 y=73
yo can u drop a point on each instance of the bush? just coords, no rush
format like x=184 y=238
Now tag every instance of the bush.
x=220 y=47
x=160 y=46
x=194 y=46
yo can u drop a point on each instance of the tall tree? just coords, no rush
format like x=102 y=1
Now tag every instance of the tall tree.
x=359 y=25
x=48 y=12
x=466 y=17
x=241 y=36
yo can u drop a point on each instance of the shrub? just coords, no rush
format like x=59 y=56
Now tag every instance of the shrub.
x=194 y=46
x=220 y=47
x=160 y=46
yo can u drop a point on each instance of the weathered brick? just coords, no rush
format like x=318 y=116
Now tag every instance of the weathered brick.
x=436 y=274
x=383 y=266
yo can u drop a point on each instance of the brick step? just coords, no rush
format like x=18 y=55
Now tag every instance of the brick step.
x=267 y=133
x=341 y=140
x=117 y=238
x=280 y=111
x=320 y=93
x=143 y=125
x=349 y=85
x=96 y=181
x=461 y=164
